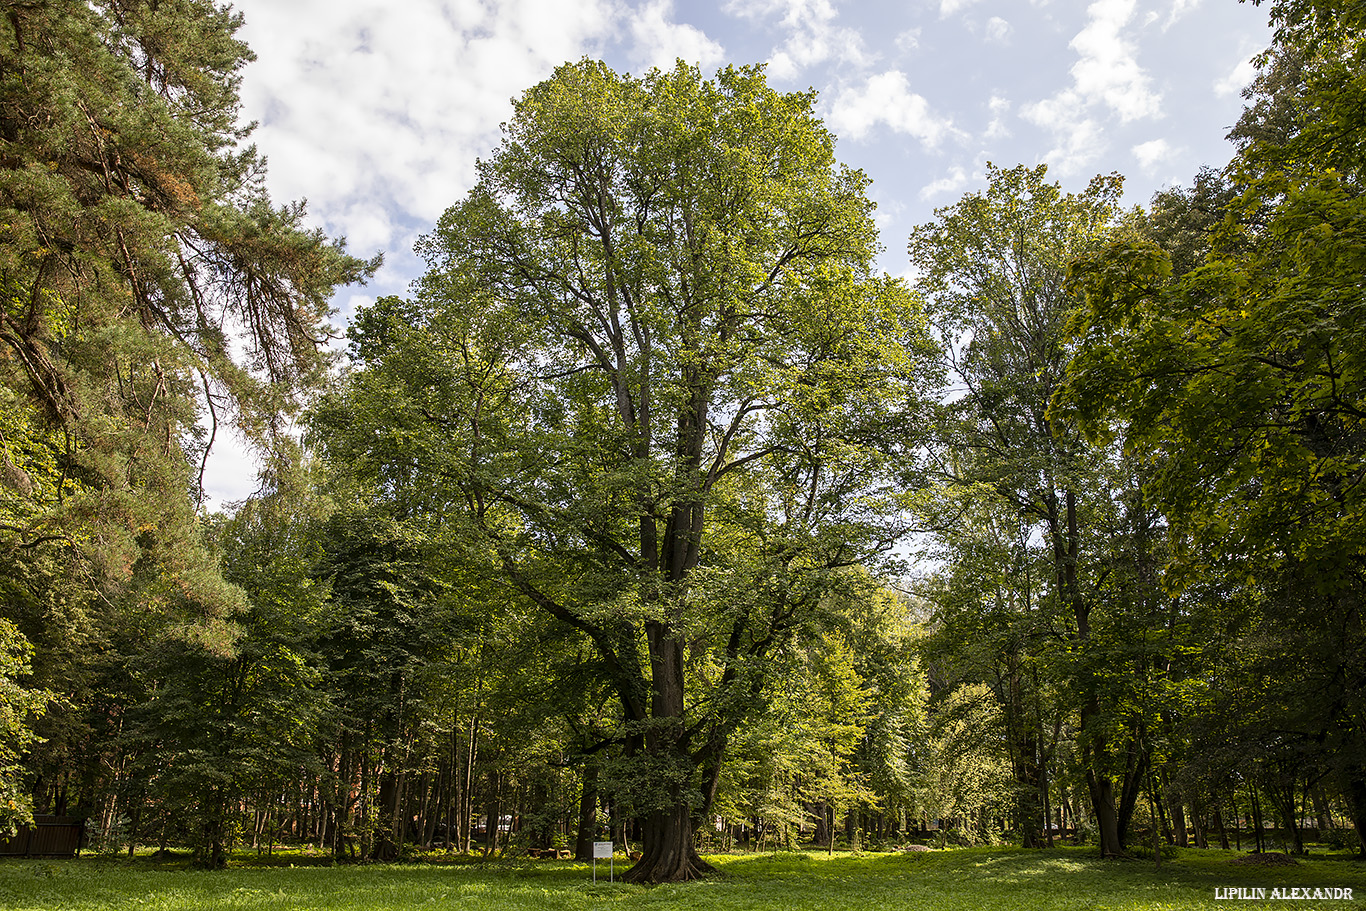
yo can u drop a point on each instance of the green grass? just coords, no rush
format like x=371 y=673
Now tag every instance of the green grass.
x=965 y=880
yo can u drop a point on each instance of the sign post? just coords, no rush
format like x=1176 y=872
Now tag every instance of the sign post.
x=604 y=849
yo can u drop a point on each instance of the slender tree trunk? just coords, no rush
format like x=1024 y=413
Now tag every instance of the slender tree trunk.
x=1223 y=830
x=1323 y=817
x=1198 y=824
x=1237 y=821
x=1258 y=830
x=364 y=802
x=1094 y=753
x=1179 y=822
x=1047 y=806
x=472 y=755
x=1281 y=790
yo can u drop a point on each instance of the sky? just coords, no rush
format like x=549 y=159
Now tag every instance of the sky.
x=375 y=111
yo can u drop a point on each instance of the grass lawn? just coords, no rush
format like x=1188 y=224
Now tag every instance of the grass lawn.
x=965 y=880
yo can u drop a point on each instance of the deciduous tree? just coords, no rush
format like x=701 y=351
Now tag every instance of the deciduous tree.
x=651 y=361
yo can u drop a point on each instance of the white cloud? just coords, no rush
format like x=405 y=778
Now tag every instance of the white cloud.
x=376 y=112
x=887 y=98
x=997 y=129
x=813 y=37
x=888 y=213
x=908 y=40
x=1108 y=71
x=659 y=41
x=1152 y=154
x=1106 y=76
x=951 y=183
x=1081 y=144
x=949 y=7
x=1236 y=80
x=998 y=30
x=407 y=95
x=1078 y=143
x=1178 y=10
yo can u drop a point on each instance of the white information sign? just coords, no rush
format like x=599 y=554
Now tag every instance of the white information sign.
x=603 y=850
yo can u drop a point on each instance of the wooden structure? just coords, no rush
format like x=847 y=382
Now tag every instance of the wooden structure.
x=49 y=836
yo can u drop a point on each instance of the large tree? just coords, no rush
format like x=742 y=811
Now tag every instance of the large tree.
x=1239 y=375
x=994 y=268
x=652 y=366
x=149 y=291
x=138 y=256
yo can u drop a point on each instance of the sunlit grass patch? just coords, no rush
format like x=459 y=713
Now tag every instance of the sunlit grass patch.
x=976 y=879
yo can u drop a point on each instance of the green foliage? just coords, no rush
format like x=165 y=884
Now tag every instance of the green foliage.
x=652 y=379
x=20 y=704
x=150 y=292
x=842 y=726
x=132 y=231
x=1048 y=545
x=1245 y=372
x=605 y=502
x=963 y=775
x=1234 y=371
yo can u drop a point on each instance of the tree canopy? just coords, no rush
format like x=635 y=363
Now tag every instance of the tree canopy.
x=149 y=292
x=603 y=530
x=652 y=368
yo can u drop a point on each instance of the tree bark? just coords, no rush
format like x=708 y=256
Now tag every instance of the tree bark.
x=386 y=847
x=1179 y=821
x=668 y=851
x=1218 y=822
x=1107 y=818
x=1355 y=780
x=588 y=804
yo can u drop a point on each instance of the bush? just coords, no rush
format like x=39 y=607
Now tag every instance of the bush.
x=1145 y=851
x=1342 y=839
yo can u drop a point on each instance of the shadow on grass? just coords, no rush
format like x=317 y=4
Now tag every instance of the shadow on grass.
x=983 y=879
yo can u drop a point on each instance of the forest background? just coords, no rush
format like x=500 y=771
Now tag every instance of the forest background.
x=604 y=527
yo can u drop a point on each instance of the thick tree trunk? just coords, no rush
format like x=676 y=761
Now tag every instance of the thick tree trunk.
x=1107 y=818
x=1355 y=781
x=1028 y=779
x=668 y=851
x=386 y=844
x=215 y=856
x=823 y=832
x=588 y=805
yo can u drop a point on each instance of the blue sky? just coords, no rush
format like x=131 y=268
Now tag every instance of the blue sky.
x=375 y=110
